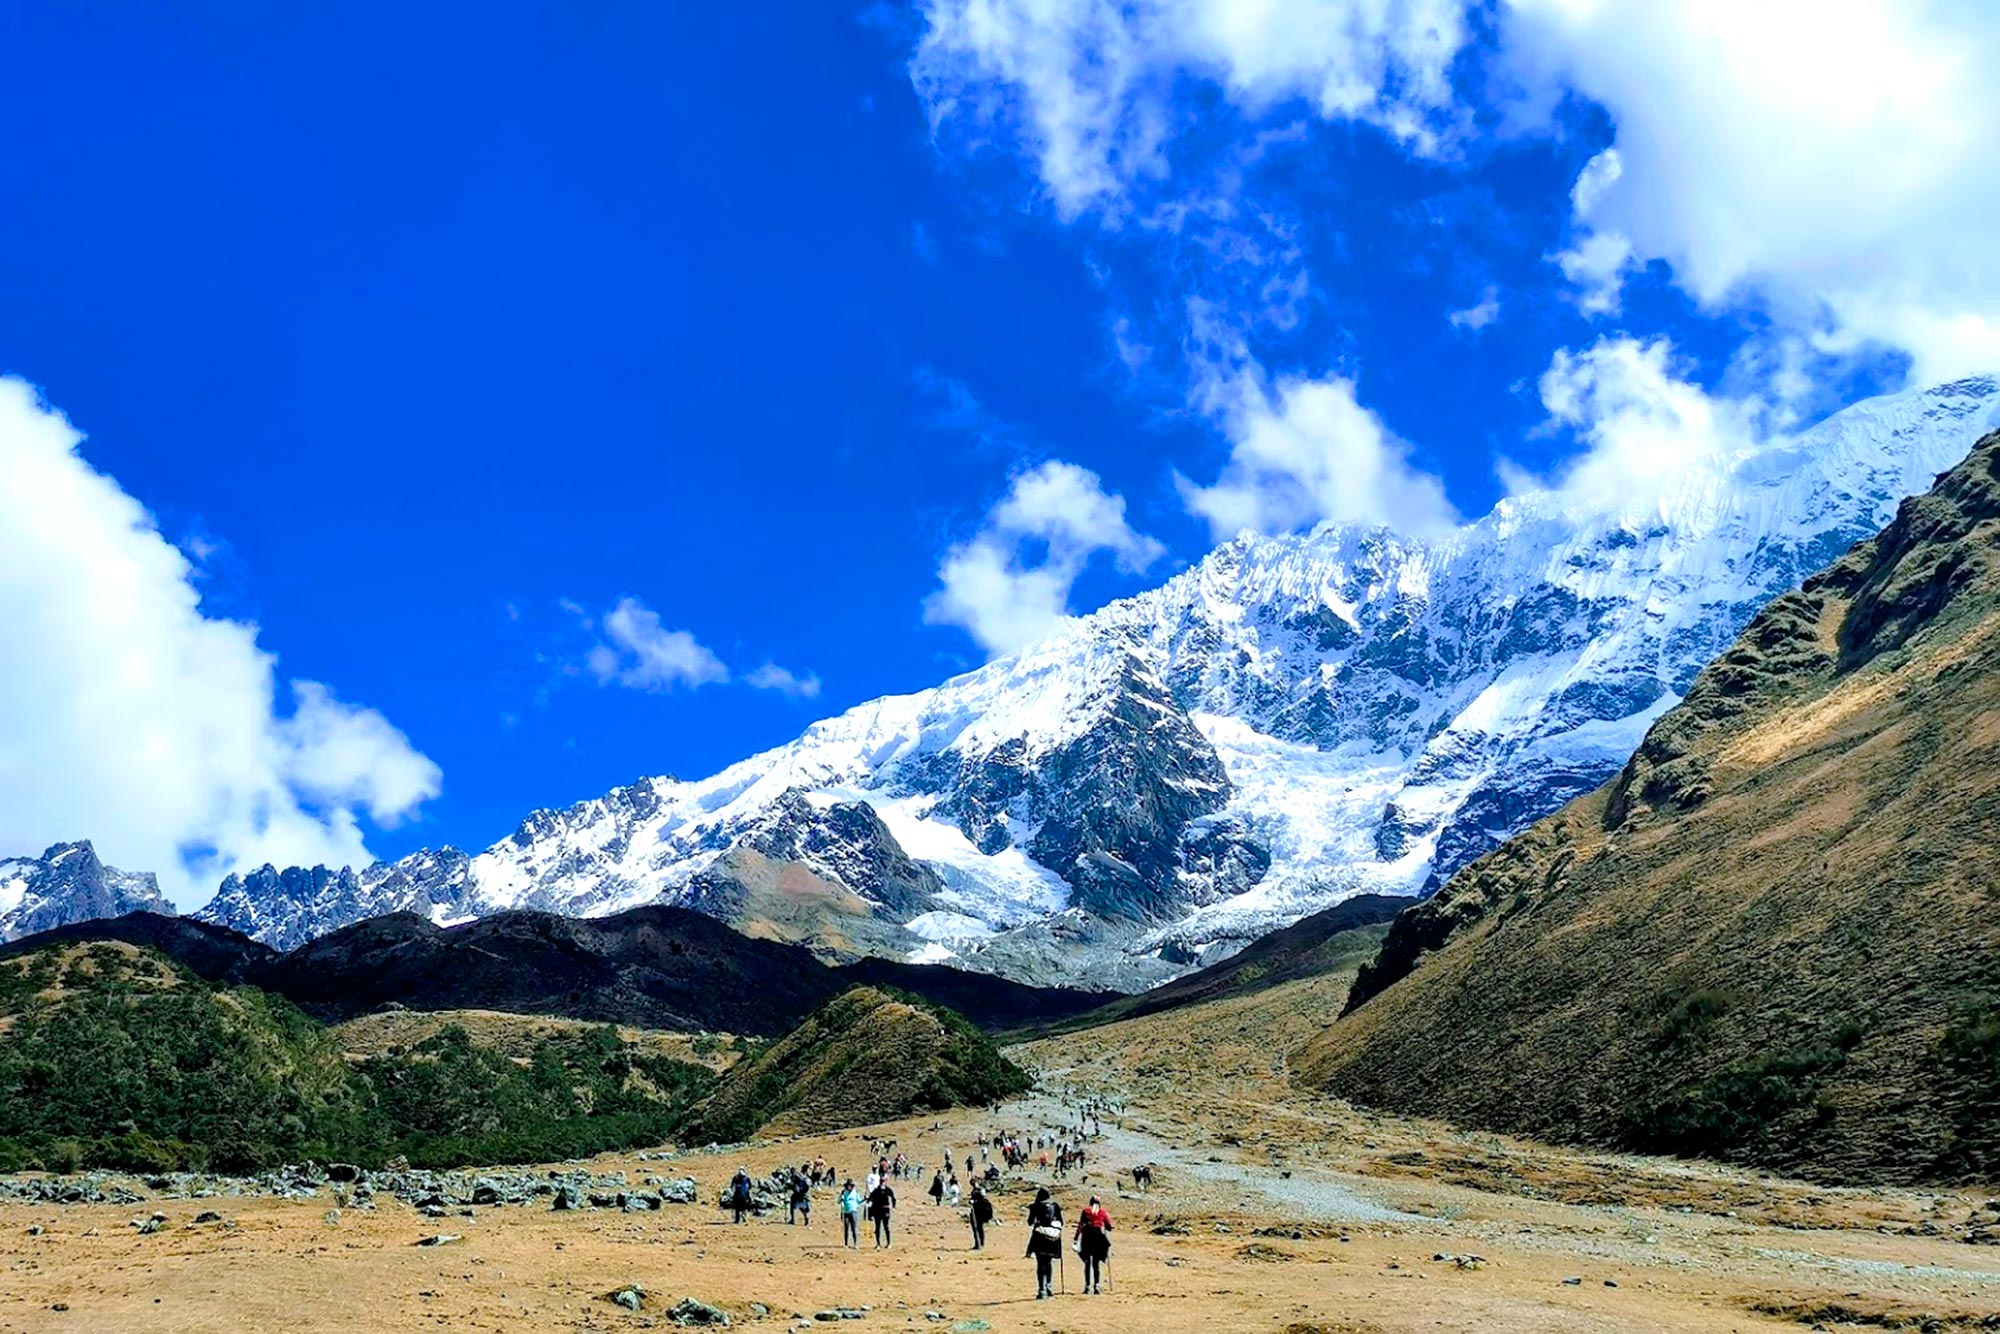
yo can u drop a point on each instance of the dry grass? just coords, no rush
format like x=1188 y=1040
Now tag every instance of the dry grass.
x=517 y=1035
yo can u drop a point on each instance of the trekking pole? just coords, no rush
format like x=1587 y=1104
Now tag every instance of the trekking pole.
x=1062 y=1269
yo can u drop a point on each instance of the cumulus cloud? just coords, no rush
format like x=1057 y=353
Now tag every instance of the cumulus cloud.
x=135 y=720
x=639 y=651
x=1645 y=425
x=1303 y=450
x=1830 y=158
x=1086 y=88
x=1009 y=585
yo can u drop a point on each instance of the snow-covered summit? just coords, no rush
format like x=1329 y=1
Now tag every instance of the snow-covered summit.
x=1288 y=722
x=66 y=884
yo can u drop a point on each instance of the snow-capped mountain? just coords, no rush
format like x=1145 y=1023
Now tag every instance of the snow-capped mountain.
x=68 y=884
x=289 y=907
x=1289 y=722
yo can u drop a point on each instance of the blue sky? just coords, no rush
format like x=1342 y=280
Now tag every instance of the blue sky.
x=587 y=392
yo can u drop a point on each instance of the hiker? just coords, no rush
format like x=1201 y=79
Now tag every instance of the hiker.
x=937 y=1189
x=851 y=1200
x=979 y=1215
x=881 y=1203
x=800 y=1204
x=951 y=1191
x=1045 y=1240
x=739 y=1193
x=1093 y=1243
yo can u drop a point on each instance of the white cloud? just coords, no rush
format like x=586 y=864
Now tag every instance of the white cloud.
x=771 y=676
x=1645 y=426
x=634 y=648
x=1304 y=450
x=1830 y=157
x=132 y=719
x=1597 y=263
x=1479 y=314
x=1010 y=584
x=1087 y=87
x=639 y=651
x=344 y=756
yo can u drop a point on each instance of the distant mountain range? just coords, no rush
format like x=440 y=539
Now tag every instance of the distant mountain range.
x=1775 y=935
x=654 y=967
x=1291 y=722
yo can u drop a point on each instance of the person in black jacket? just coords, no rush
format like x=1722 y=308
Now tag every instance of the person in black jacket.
x=881 y=1203
x=1045 y=1240
x=980 y=1214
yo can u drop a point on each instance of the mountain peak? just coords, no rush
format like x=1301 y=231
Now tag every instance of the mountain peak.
x=1286 y=723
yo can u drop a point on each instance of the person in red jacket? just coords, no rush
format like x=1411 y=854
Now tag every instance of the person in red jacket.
x=1093 y=1243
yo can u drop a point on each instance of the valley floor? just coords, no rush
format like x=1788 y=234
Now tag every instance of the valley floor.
x=1273 y=1210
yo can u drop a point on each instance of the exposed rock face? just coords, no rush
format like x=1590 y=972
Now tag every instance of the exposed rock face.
x=1771 y=937
x=69 y=884
x=1290 y=722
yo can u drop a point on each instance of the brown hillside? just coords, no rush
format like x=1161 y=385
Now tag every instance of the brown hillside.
x=1776 y=936
x=864 y=1058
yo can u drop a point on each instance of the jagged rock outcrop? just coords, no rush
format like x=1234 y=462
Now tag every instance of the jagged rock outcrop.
x=68 y=884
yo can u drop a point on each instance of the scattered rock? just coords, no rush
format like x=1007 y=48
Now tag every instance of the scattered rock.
x=632 y=1297
x=688 y=1311
x=1257 y=1250
x=440 y=1239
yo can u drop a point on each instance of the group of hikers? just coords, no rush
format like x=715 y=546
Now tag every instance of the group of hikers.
x=875 y=1197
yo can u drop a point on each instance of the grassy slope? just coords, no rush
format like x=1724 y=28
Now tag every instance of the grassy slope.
x=111 y=1055
x=865 y=1057
x=516 y=1036
x=1776 y=937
